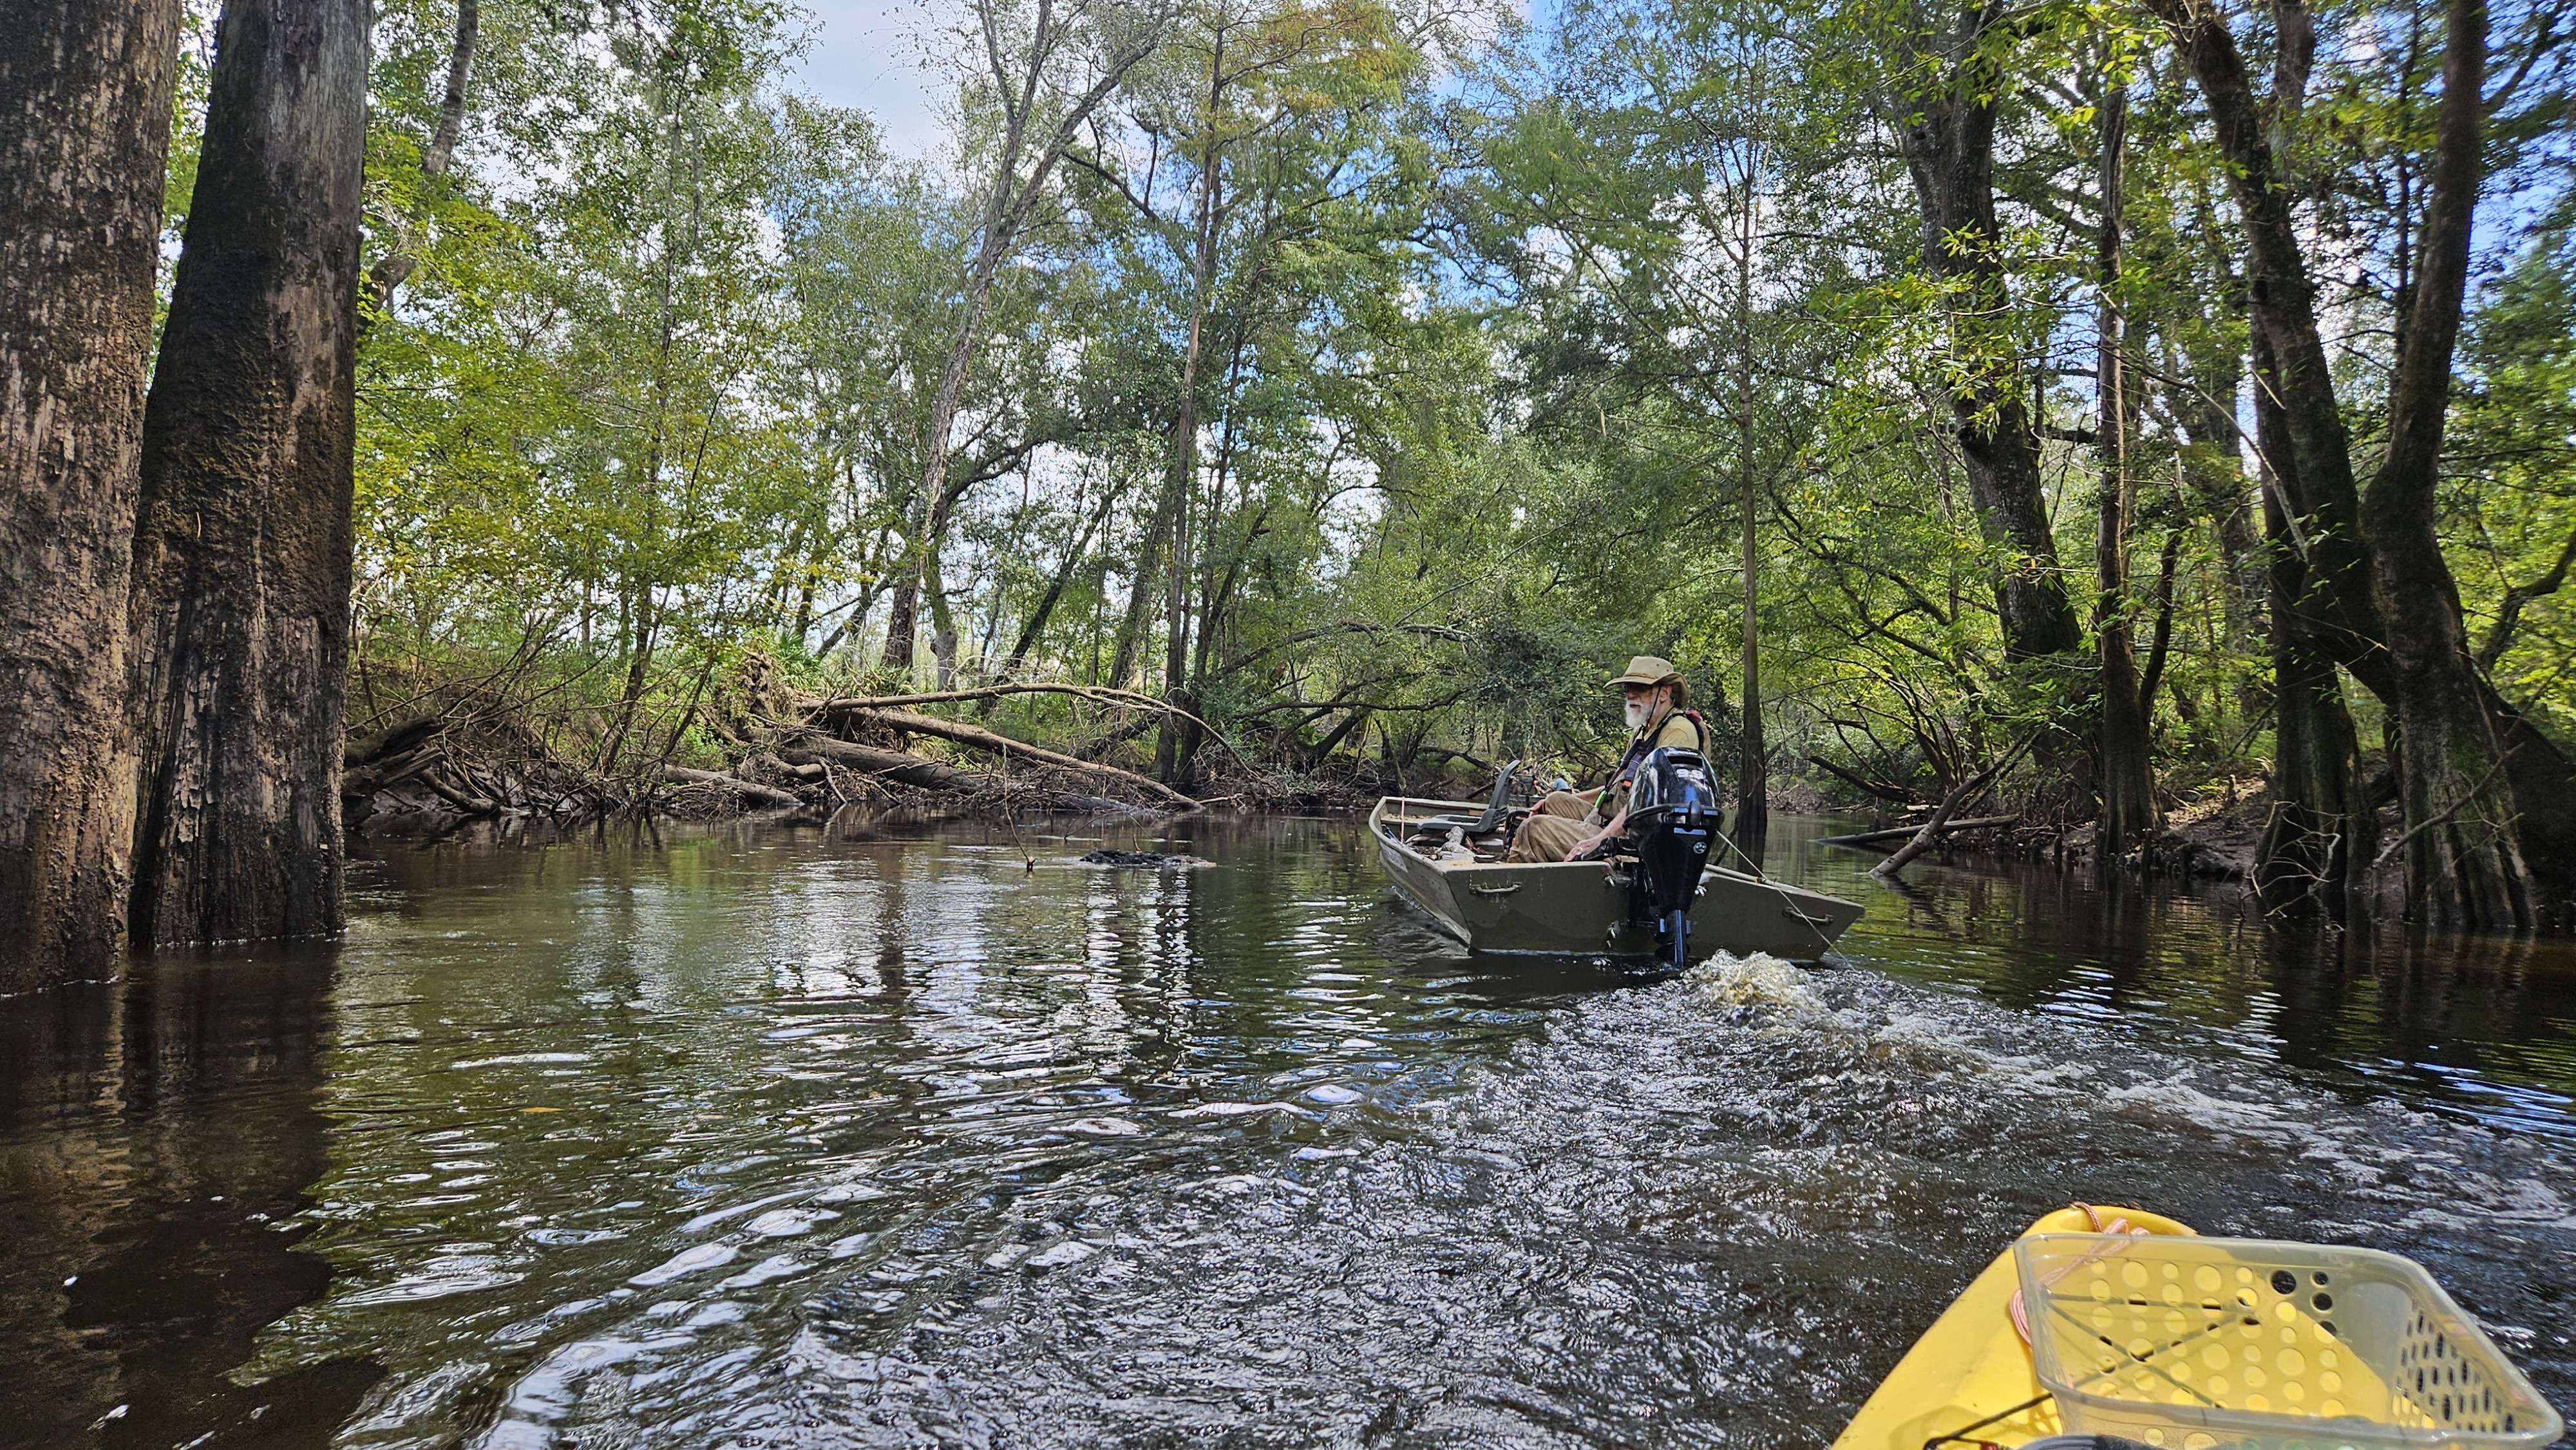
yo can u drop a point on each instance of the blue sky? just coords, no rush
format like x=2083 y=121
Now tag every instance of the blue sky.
x=869 y=54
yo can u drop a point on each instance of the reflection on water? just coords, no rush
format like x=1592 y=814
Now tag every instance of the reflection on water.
x=796 y=1136
x=155 y=1139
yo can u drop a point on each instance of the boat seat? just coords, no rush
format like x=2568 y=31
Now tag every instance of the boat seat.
x=1498 y=810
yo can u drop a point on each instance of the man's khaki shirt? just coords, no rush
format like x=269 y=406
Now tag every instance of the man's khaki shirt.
x=1672 y=728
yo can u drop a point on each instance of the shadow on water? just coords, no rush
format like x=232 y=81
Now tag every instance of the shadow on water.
x=156 y=1137
x=868 y=1134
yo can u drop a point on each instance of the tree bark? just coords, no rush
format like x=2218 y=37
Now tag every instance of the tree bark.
x=2464 y=863
x=894 y=765
x=2313 y=464
x=1752 y=769
x=85 y=98
x=2321 y=821
x=242 y=543
x=2128 y=786
x=1948 y=137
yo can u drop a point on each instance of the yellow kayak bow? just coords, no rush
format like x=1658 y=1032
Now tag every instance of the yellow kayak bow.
x=1968 y=1380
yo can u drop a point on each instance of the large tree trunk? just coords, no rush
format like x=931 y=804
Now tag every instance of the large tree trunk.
x=902 y=623
x=2481 y=820
x=2464 y=865
x=2128 y=785
x=84 y=144
x=2314 y=466
x=1948 y=138
x=242 y=546
x=2321 y=819
x=2321 y=826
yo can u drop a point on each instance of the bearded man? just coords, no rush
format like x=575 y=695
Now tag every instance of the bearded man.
x=1567 y=824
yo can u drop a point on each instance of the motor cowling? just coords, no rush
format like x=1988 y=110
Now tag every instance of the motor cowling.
x=1673 y=821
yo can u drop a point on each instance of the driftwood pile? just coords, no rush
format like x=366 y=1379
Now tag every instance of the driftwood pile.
x=803 y=753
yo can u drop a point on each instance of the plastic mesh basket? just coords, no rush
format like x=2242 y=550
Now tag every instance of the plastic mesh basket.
x=2250 y=1344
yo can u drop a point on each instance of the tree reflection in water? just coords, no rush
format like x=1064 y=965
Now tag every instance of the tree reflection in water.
x=156 y=1138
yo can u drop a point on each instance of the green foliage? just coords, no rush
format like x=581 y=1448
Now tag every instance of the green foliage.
x=1498 y=329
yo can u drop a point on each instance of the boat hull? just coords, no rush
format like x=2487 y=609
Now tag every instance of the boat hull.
x=1581 y=907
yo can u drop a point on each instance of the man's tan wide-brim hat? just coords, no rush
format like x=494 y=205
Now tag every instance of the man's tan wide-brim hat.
x=1649 y=671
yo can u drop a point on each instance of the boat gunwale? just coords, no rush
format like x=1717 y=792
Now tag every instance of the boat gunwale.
x=1378 y=817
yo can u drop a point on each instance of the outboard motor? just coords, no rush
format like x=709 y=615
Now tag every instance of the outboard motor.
x=1673 y=816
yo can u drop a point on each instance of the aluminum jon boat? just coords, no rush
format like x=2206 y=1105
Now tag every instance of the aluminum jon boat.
x=1580 y=907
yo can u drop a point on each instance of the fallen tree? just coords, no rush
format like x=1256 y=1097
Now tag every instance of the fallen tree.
x=840 y=708
x=1959 y=794
x=900 y=767
x=980 y=738
x=1901 y=833
x=752 y=790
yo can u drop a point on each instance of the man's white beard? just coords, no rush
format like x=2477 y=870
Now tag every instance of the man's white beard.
x=1637 y=713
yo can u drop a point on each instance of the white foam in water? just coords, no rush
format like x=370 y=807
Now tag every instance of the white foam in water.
x=1759 y=980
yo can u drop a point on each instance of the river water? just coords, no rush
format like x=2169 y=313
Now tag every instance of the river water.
x=873 y=1135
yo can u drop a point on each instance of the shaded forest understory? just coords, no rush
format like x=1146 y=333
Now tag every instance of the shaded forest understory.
x=2153 y=422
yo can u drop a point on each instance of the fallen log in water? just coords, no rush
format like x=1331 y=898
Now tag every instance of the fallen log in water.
x=750 y=790
x=1900 y=833
x=839 y=708
x=893 y=765
x=982 y=739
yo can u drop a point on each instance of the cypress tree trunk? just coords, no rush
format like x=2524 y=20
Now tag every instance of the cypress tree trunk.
x=1949 y=145
x=2491 y=831
x=2464 y=864
x=2312 y=460
x=2321 y=817
x=84 y=145
x=2321 y=823
x=242 y=546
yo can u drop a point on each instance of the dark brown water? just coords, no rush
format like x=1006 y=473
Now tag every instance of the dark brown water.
x=767 y=1136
